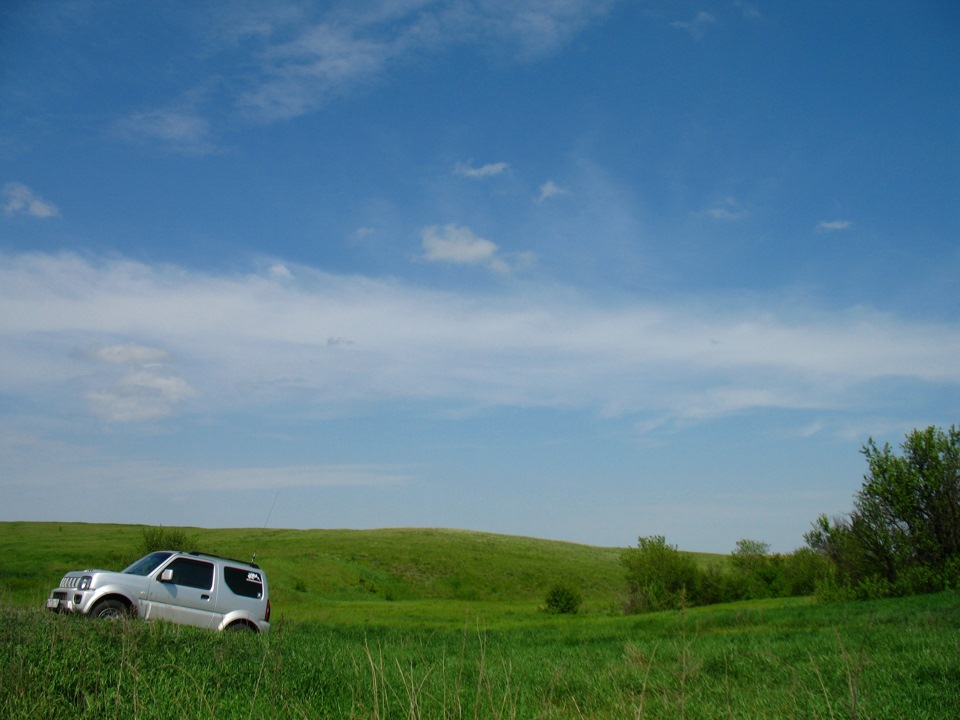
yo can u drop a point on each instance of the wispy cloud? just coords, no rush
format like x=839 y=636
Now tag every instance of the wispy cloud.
x=130 y=353
x=728 y=209
x=484 y=171
x=351 y=48
x=298 y=76
x=833 y=225
x=145 y=389
x=749 y=10
x=548 y=190
x=697 y=27
x=246 y=339
x=183 y=131
x=135 y=485
x=295 y=60
x=18 y=199
x=182 y=478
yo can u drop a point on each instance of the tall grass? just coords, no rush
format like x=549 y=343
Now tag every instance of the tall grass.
x=462 y=637
x=310 y=569
x=886 y=659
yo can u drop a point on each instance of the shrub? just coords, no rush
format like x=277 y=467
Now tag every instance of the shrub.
x=951 y=574
x=902 y=536
x=717 y=586
x=161 y=538
x=833 y=589
x=803 y=569
x=874 y=587
x=563 y=600
x=659 y=577
x=757 y=573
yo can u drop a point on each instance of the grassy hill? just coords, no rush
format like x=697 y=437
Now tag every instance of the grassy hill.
x=311 y=569
x=421 y=623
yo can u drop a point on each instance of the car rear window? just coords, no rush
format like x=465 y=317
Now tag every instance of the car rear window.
x=244 y=581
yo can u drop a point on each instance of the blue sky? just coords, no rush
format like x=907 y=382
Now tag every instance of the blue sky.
x=586 y=270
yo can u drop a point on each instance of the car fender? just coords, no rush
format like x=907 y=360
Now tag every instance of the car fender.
x=242 y=616
x=116 y=591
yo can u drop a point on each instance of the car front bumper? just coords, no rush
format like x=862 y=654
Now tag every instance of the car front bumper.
x=69 y=600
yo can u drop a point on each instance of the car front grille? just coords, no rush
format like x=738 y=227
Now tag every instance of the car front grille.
x=70 y=582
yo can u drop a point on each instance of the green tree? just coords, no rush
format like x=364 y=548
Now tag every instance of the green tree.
x=750 y=557
x=659 y=576
x=757 y=574
x=903 y=535
x=803 y=569
x=916 y=496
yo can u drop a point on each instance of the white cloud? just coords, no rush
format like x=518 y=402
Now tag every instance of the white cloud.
x=459 y=245
x=698 y=26
x=183 y=131
x=145 y=390
x=280 y=271
x=748 y=10
x=292 y=60
x=362 y=233
x=139 y=396
x=550 y=189
x=728 y=209
x=18 y=199
x=130 y=353
x=484 y=171
x=355 y=44
x=833 y=225
x=298 y=76
x=264 y=338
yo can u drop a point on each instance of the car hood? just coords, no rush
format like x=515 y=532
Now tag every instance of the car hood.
x=102 y=578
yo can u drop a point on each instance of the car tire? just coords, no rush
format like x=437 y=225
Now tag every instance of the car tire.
x=110 y=610
x=241 y=627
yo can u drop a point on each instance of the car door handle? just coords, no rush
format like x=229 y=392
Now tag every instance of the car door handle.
x=204 y=597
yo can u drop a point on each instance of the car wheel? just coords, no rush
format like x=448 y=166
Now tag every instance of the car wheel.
x=110 y=610
x=241 y=627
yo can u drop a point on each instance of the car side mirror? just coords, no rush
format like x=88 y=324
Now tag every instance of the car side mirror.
x=166 y=575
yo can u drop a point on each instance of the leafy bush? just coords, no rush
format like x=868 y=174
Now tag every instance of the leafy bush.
x=903 y=535
x=563 y=600
x=833 y=589
x=757 y=573
x=161 y=538
x=659 y=577
x=802 y=570
x=717 y=586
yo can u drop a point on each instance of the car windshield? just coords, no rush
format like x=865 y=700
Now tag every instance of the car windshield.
x=147 y=564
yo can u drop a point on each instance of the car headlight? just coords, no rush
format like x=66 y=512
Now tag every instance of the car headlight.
x=85 y=582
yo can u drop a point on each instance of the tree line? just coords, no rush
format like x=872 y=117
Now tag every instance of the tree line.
x=902 y=537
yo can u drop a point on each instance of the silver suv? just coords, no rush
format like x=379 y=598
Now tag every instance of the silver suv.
x=187 y=588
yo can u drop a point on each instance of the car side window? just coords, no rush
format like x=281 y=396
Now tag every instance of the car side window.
x=192 y=573
x=245 y=582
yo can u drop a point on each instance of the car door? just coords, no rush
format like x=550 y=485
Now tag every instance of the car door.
x=183 y=591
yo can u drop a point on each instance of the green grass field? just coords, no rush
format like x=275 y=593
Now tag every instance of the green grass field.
x=446 y=624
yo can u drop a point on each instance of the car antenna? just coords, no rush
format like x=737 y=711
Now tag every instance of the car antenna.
x=266 y=522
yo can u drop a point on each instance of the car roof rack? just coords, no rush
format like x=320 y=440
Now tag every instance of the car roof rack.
x=197 y=553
